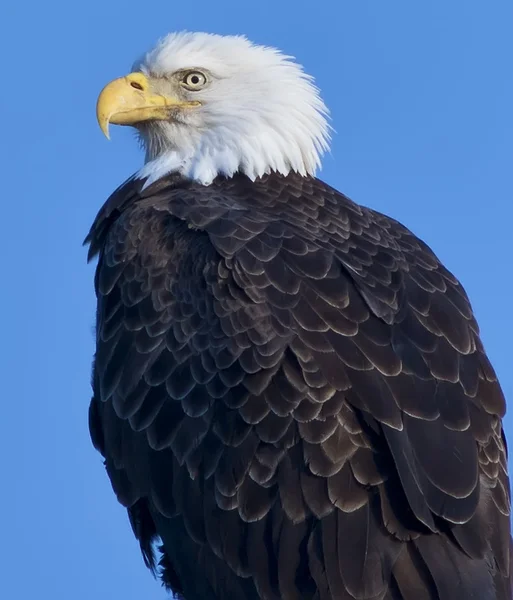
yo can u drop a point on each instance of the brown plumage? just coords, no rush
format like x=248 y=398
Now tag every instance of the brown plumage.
x=291 y=393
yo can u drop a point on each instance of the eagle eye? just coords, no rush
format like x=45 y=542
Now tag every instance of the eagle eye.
x=194 y=80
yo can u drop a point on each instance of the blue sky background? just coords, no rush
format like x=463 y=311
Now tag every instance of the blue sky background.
x=421 y=95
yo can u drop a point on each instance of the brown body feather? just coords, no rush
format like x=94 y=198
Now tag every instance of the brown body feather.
x=290 y=391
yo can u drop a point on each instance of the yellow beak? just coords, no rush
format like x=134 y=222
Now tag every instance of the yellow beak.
x=128 y=101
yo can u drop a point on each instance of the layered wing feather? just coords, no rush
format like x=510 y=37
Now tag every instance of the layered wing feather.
x=290 y=390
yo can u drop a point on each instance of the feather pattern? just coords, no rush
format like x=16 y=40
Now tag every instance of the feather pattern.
x=291 y=393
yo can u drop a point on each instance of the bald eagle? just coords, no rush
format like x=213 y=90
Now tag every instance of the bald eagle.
x=289 y=389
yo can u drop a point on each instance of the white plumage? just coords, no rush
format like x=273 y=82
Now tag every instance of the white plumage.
x=260 y=112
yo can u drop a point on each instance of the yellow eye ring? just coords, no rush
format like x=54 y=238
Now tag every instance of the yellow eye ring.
x=194 y=80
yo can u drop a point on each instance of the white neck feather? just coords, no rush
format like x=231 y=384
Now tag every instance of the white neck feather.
x=261 y=114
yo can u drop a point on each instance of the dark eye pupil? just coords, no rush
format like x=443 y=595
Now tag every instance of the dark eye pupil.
x=195 y=79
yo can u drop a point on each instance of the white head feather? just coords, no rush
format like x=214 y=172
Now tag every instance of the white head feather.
x=259 y=113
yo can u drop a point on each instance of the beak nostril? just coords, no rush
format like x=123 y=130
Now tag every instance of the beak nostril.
x=136 y=85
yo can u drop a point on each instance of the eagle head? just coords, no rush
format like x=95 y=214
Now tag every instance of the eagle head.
x=207 y=105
